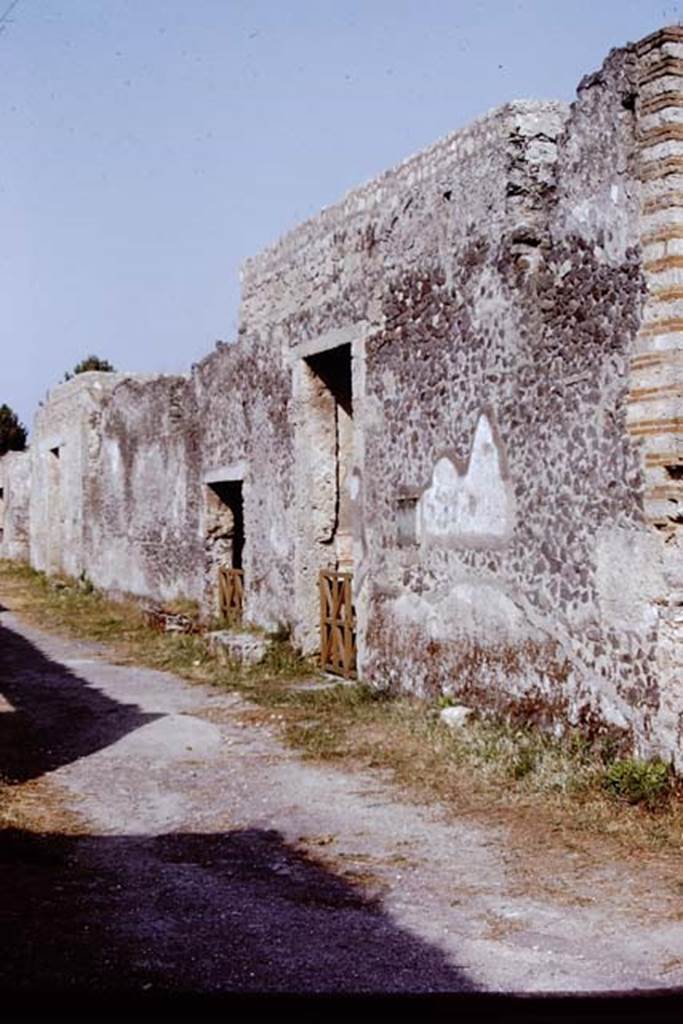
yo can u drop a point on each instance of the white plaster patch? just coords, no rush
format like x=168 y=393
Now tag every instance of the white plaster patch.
x=474 y=508
x=480 y=610
x=630 y=579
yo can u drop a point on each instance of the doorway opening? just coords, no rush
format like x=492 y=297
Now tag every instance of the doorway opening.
x=224 y=546
x=325 y=552
x=332 y=430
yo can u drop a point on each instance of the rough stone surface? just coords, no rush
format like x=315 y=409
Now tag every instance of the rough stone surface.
x=455 y=717
x=15 y=492
x=247 y=648
x=463 y=384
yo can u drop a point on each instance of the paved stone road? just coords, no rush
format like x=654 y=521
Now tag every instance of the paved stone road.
x=215 y=860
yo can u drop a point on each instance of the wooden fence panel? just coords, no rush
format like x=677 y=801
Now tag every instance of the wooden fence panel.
x=337 y=623
x=231 y=593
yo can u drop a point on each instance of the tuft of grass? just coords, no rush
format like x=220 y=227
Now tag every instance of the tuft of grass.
x=636 y=781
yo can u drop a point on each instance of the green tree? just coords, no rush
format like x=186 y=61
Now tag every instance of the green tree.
x=12 y=432
x=90 y=363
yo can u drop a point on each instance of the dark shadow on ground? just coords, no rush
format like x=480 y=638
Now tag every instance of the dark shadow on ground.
x=239 y=912
x=195 y=925
x=57 y=717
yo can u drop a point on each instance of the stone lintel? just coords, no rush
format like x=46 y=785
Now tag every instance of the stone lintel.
x=234 y=471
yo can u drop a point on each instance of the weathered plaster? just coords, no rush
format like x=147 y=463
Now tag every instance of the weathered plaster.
x=15 y=484
x=473 y=505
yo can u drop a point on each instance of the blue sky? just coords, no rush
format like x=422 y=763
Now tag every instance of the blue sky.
x=150 y=146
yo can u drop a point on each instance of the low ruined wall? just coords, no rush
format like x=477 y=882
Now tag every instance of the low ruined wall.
x=15 y=485
x=114 y=491
x=243 y=399
x=142 y=492
x=64 y=428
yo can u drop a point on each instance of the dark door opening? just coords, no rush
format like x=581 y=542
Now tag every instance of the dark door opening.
x=331 y=422
x=225 y=546
x=334 y=369
x=226 y=526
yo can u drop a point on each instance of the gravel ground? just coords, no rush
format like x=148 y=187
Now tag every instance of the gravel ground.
x=210 y=859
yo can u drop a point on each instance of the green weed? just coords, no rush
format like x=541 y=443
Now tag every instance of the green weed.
x=635 y=781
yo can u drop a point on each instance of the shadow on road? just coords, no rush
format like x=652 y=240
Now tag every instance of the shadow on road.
x=239 y=912
x=235 y=912
x=57 y=716
x=185 y=921
x=200 y=924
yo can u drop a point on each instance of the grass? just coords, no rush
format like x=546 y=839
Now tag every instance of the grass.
x=544 y=789
x=647 y=782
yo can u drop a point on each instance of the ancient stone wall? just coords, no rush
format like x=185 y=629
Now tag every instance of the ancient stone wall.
x=65 y=427
x=491 y=290
x=114 y=492
x=142 y=491
x=334 y=282
x=656 y=384
x=15 y=492
x=462 y=384
x=245 y=436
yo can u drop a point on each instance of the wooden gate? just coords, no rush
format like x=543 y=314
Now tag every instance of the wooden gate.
x=337 y=623
x=230 y=593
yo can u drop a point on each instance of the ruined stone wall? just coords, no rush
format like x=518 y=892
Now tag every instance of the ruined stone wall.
x=115 y=485
x=517 y=451
x=242 y=394
x=64 y=428
x=142 y=491
x=492 y=290
x=15 y=485
x=332 y=283
x=473 y=361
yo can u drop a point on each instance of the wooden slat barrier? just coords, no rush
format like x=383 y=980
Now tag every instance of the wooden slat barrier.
x=230 y=593
x=337 y=623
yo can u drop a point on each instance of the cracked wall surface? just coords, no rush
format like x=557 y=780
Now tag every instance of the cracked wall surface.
x=502 y=467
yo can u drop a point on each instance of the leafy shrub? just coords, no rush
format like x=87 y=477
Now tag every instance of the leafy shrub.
x=91 y=362
x=638 y=781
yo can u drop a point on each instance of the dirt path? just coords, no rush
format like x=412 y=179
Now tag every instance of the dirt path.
x=188 y=850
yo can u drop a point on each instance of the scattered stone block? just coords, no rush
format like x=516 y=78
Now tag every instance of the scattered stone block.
x=455 y=717
x=325 y=683
x=246 y=648
x=170 y=622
